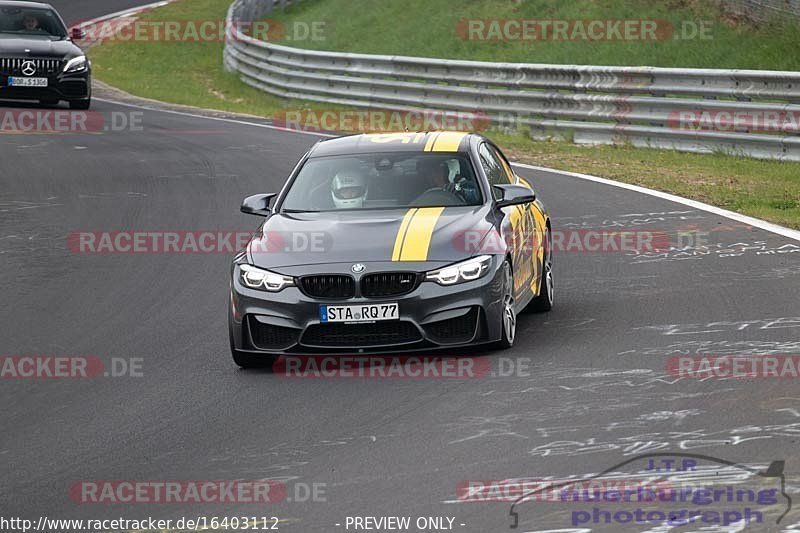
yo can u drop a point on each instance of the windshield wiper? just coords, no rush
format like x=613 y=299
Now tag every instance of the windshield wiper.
x=298 y=211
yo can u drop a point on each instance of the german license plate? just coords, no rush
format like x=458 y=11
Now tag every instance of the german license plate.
x=358 y=313
x=27 y=82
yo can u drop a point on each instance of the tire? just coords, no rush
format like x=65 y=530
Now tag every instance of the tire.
x=544 y=302
x=508 y=316
x=80 y=104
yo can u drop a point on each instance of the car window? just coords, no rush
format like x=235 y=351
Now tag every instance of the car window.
x=493 y=167
x=504 y=162
x=382 y=181
x=31 y=21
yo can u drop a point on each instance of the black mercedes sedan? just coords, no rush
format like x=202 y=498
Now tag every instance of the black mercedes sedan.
x=38 y=59
x=391 y=243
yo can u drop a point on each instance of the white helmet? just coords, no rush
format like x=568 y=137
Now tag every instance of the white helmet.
x=348 y=190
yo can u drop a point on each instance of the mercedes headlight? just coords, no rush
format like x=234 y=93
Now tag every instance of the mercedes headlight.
x=468 y=270
x=264 y=280
x=76 y=64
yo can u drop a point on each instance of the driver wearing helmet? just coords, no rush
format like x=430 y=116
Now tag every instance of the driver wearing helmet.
x=348 y=190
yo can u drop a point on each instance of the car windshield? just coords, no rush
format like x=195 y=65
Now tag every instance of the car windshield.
x=31 y=22
x=383 y=181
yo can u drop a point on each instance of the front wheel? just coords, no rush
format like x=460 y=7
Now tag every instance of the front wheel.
x=508 y=330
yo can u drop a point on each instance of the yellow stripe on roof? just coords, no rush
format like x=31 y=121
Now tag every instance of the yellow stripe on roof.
x=448 y=141
x=431 y=139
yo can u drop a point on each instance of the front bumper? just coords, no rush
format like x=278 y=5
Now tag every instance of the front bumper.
x=431 y=316
x=73 y=86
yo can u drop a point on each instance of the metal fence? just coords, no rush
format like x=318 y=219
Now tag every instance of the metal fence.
x=746 y=112
x=764 y=10
x=250 y=10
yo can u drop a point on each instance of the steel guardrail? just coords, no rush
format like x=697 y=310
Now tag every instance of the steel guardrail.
x=642 y=106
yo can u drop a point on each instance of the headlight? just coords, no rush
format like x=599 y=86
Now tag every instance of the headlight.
x=76 y=64
x=264 y=280
x=468 y=270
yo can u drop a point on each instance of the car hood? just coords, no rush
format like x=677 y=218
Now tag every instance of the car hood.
x=409 y=236
x=16 y=46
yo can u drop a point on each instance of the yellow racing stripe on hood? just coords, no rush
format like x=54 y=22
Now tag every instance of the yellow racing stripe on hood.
x=418 y=234
x=401 y=234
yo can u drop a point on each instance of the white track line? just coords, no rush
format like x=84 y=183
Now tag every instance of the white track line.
x=124 y=13
x=221 y=119
x=755 y=222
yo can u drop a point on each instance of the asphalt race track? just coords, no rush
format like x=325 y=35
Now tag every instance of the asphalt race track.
x=590 y=387
x=74 y=11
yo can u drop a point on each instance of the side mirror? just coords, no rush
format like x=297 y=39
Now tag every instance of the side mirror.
x=77 y=33
x=514 y=195
x=258 y=204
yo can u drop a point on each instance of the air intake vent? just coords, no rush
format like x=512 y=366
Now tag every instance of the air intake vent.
x=360 y=335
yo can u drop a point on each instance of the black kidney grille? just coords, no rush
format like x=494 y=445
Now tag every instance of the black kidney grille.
x=328 y=286
x=385 y=284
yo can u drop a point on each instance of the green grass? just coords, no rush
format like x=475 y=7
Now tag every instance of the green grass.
x=192 y=74
x=769 y=190
x=428 y=28
x=188 y=73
